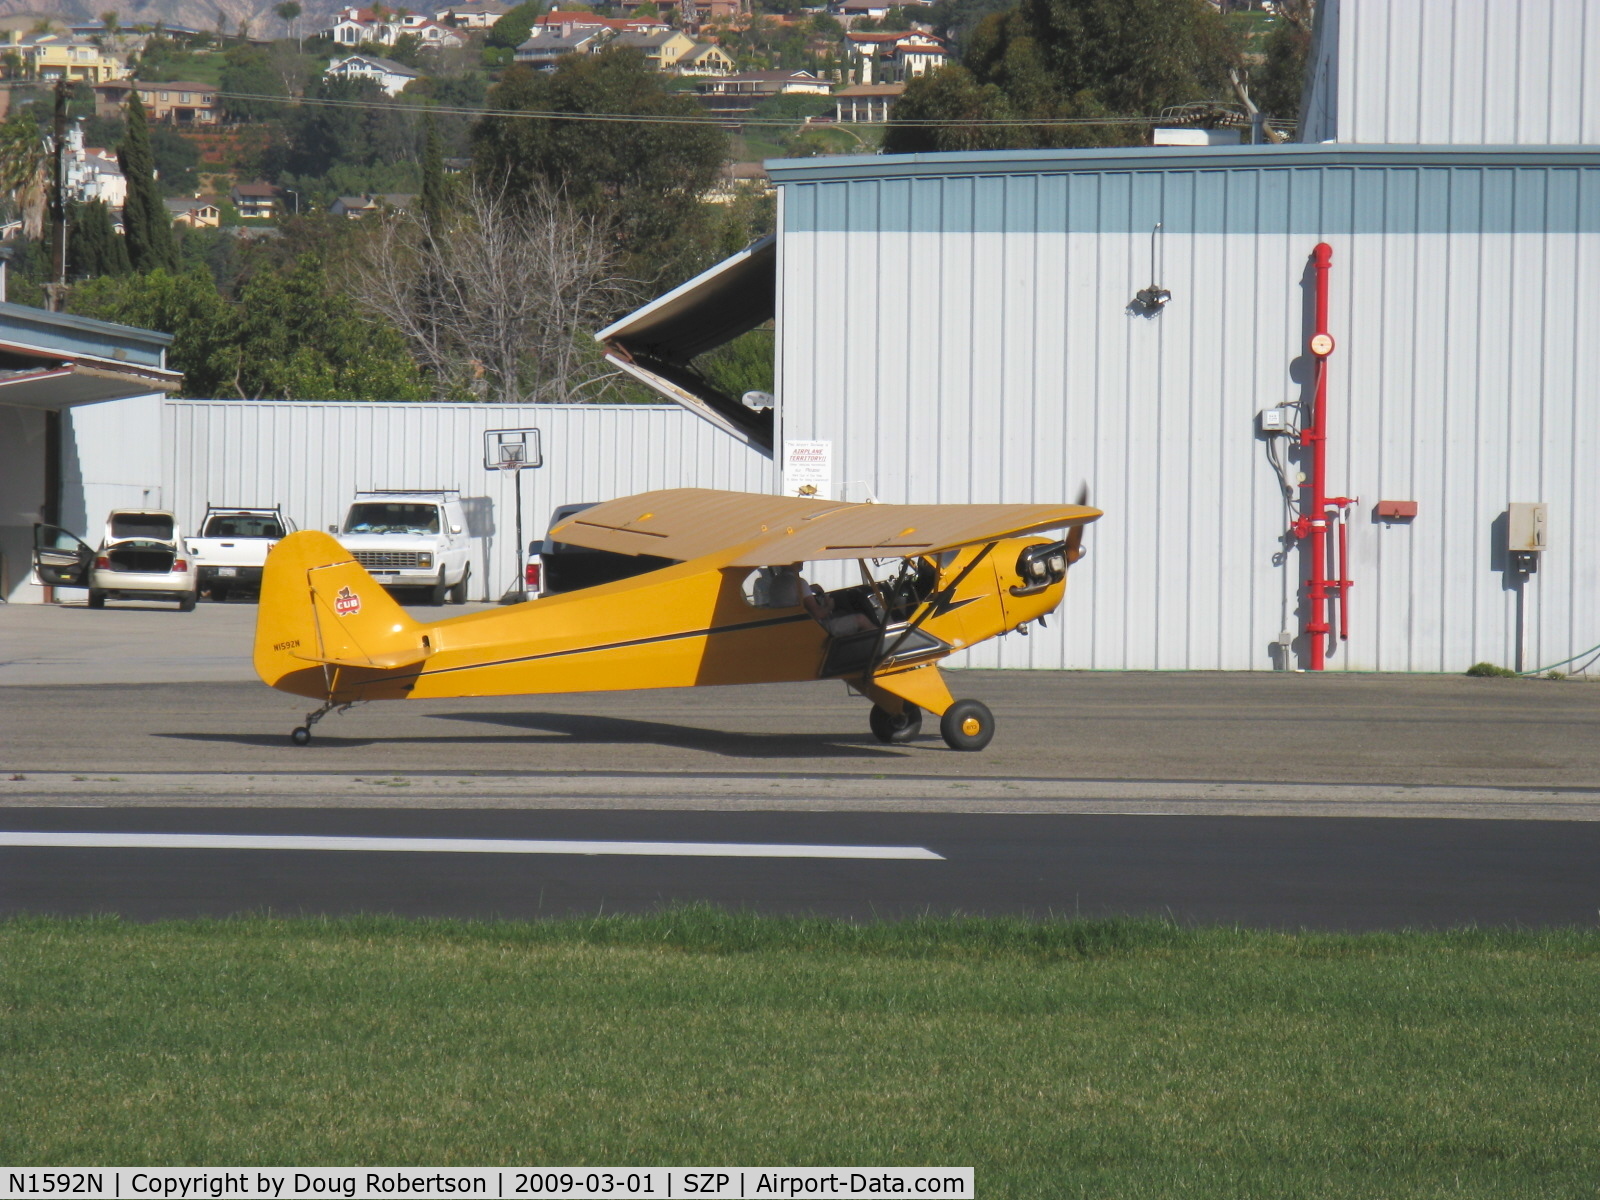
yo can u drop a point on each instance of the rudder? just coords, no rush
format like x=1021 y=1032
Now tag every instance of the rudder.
x=319 y=607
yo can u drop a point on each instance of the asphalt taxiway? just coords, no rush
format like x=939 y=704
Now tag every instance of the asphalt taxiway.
x=1341 y=800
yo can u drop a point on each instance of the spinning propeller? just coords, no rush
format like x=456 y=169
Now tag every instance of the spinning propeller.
x=1075 y=549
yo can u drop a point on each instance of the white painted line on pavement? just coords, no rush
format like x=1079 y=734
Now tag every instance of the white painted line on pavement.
x=251 y=841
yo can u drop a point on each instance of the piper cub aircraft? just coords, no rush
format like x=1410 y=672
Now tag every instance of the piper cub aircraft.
x=730 y=607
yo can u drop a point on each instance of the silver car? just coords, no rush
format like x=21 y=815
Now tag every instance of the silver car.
x=141 y=557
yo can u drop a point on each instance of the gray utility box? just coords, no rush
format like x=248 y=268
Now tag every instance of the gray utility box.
x=1527 y=528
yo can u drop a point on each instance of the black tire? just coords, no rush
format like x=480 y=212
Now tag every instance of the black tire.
x=891 y=729
x=967 y=725
x=438 y=592
x=219 y=592
x=97 y=598
x=186 y=602
x=458 y=593
x=300 y=736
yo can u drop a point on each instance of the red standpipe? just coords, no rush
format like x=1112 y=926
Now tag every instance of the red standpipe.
x=1313 y=523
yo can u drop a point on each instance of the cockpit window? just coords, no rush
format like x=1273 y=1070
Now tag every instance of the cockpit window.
x=372 y=517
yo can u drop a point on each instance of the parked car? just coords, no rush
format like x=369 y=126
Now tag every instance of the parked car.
x=141 y=557
x=555 y=567
x=232 y=547
x=410 y=539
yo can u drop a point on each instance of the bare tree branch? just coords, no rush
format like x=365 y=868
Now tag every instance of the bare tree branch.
x=501 y=301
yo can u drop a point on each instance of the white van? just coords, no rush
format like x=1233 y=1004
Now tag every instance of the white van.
x=410 y=539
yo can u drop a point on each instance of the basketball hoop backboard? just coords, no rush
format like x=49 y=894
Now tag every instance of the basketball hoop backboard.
x=511 y=449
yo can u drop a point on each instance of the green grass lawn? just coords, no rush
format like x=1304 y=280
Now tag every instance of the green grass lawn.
x=1074 y=1059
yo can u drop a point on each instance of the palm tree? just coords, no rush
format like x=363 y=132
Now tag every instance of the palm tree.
x=289 y=12
x=25 y=169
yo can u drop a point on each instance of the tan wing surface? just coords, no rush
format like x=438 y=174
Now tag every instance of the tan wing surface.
x=690 y=523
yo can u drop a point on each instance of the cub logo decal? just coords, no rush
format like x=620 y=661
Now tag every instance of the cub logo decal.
x=346 y=603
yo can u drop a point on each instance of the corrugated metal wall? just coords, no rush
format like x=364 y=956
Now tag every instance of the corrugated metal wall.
x=966 y=336
x=313 y=457
x=1479 y=72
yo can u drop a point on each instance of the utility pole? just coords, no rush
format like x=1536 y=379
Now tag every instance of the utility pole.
x=56 y=290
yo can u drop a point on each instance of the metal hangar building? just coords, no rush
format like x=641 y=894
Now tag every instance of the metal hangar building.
x=1001 y=326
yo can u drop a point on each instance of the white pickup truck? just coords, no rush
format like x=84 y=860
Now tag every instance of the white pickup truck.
x=232 y=546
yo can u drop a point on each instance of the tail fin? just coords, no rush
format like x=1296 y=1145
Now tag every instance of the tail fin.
x=320 y=608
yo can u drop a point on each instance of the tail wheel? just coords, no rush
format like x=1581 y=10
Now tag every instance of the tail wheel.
x=894 y=728
x=967 y=725
x=300 y=736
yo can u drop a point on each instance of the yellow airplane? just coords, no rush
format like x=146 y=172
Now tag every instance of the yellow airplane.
x=733 y=609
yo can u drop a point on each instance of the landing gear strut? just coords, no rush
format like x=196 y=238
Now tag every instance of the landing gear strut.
x=301 y=734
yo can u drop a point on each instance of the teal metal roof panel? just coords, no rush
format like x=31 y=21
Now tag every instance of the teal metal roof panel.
x=1309 y=190
x=81 y=337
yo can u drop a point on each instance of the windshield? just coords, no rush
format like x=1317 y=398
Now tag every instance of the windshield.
x=369 y=517
x=141 y=525
x=243 y=525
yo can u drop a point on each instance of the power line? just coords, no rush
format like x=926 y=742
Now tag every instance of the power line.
x=664 y=119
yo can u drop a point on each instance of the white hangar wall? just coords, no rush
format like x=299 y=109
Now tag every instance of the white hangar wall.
x=312 y=457
x=958 y=327
x=1481 y=72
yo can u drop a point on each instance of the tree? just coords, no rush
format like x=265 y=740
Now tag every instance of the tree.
x=289 y=12
x=1054 y=60
x=144 y=217
x=503 y=298
x=515 y=26
x=186 y=306
x=94 y=247
x=289 y=335
x=434 y=200
x=177 y=161
x=406 y=50
x=646 y=179
x=1276 y=87
x=25 y=168
x=299 y=339
x=250 y=71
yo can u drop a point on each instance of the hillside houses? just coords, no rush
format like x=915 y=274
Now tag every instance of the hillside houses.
x=894 y=57
x=178 y=102
x=358 y=26
x=736 y=95
x=481 y=15
x=391 y=76
x=668 y=50
x=51 y=56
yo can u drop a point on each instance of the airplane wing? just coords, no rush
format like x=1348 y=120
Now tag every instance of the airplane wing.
x=688 y=523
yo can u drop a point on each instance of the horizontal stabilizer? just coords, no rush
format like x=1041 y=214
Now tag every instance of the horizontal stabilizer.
x=392 y=661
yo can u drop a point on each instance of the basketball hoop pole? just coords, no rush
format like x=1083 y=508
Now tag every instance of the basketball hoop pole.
x=513 y=450
x=522 y=546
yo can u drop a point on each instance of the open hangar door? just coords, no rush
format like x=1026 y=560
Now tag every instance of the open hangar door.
x=49 y=363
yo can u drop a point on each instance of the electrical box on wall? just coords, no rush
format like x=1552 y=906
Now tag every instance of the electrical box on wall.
x=1527 y=528
x=1273 y=420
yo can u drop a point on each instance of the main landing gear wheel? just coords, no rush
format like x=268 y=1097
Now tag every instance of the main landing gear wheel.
x=967 y=725
x=891 y=728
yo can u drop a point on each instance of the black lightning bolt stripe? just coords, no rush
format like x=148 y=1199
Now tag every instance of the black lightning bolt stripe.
x=662 y=637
